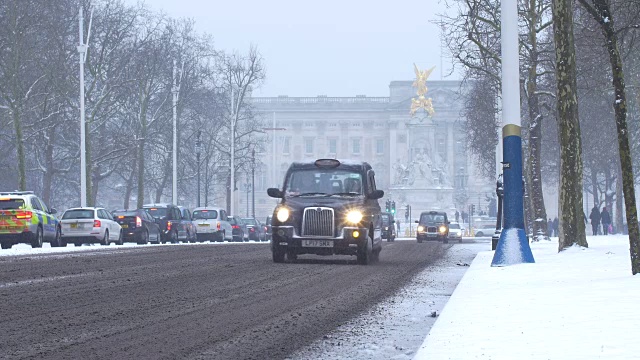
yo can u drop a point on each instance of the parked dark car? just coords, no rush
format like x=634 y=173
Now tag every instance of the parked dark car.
x=328 y=207
x=169 y=219
x=186 y=222
x=255 y=229
x=388 y=226
x=138 y=226
x=267 y=229
x=238 y=228
x=433 y=225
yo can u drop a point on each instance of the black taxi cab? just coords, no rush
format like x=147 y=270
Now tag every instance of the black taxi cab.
x=328 y=207
x=433 y=225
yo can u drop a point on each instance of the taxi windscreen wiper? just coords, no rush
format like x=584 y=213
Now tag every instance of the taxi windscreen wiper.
x=350 y=193
x=311 y=194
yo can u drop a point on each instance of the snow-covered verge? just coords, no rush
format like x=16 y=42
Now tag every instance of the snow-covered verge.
x=581 y=303
x=395 y=328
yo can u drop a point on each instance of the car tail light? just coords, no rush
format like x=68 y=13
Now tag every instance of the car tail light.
x=97 y=223
x=265 y=228
x=24 y=215
x=168 y=225
x=235 y=226
x=218 y=226
x=252 y=229
x=138 y=221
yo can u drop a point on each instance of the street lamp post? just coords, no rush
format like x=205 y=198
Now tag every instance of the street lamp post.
x=513 y=246
x=198 y=147
x=232 y=156
x=253 y=182
x=82 y=52
x=175 y=90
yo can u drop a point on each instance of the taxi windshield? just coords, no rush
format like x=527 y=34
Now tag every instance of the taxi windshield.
x=323 y=182
x=431 y=218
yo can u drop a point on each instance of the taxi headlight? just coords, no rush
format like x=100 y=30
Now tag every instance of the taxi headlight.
x=354 y=216
x=443 y=229
x=420 y=228
x=283 y=214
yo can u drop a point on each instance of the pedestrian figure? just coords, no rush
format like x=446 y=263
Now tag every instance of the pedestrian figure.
x=595 y=220
x=606 y=220
x=555 y=227
x=457 y=216
x=549 y=228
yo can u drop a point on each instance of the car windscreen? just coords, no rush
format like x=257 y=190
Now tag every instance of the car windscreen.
x=11 y=204
x=431 y=218
x=250 y=221
x=158 y=212
x=78 y=214
x=454 y=226
x=124 y=213
x=205 y=214
x=326 y=182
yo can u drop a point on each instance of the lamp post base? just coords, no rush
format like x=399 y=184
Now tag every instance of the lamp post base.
x=513 y=248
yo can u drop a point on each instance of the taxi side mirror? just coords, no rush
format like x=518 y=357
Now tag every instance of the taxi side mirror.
x=376 y=194
x=275 y=193
x=53 y=211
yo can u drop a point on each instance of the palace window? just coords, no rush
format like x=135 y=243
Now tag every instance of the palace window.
x=355 y=146
x=379 y=146
x=333 y=146
x=308 y=145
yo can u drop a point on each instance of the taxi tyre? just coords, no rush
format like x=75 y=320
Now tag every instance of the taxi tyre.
x=365 y=254
x=6 y=245
x=145 y=238
x=419 y=240
x=278 y=254
x=292 y=255
x=105 y=239
x=120 y=240
x=37 y=239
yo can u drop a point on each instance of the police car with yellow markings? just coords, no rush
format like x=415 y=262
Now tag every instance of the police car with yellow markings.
x=24 y=218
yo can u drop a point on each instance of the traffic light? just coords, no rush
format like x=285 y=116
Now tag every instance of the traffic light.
x=406 y=213
x=393 y=207
x=473 y=209
x=388 y=206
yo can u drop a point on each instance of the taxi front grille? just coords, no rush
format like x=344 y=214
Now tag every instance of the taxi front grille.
x=432 y=229
x=318 y=222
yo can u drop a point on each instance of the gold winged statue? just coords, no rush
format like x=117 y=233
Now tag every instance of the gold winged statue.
x=421 y=84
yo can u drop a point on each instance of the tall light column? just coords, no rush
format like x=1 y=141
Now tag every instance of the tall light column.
x=174 y=91
x=513 y=246
x=82 y=50
x=233 y=154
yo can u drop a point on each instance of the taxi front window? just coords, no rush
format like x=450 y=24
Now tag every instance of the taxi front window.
x=323 y=182
x=432 y=218
x=11 y=204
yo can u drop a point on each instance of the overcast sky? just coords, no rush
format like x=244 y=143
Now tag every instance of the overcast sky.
x=332 y=47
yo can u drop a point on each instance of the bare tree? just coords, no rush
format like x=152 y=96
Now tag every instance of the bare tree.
x=601 y=12
x=571 y=225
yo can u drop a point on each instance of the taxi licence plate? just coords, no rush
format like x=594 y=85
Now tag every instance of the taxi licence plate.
x=317 y=243
x=124 y=226
x=73 y=226
x=203 y=224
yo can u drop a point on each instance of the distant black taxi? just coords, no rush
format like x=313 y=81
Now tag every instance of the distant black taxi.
x=328 y=207
x=433 y=225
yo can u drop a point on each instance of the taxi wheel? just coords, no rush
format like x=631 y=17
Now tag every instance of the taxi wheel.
x=278 y=255
x=292 y=256
x=419 y=240
x=120 y=240
x=6 y=245
x=364 y=255
x=105 y=239
x=37 y=240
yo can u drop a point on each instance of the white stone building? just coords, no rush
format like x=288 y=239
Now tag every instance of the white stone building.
x=421 y=161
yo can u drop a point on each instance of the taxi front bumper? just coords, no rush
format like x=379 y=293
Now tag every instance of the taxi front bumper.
x=350 y=240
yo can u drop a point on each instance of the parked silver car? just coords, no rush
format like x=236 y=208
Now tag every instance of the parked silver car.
x=211 y=224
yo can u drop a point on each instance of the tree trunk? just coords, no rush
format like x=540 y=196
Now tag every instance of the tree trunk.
x=571 y=225
x=140 y=168
x=536 y=195
x=619 y=200
x=594 y=188
x=165 y=178
x=129 y=189
x=47 y=177
x=620 y=107
x=22 y=172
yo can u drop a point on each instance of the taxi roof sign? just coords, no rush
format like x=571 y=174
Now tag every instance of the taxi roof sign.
x=327 y=163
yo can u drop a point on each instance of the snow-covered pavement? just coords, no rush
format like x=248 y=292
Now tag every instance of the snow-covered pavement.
x=395 y=328
x=579 y=304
